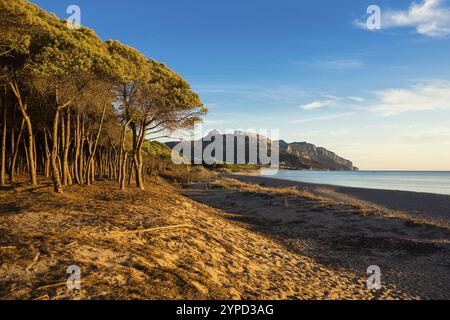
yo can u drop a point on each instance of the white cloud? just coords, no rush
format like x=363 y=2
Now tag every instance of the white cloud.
x=429 y=17
x=421 y=97
x=317 y=104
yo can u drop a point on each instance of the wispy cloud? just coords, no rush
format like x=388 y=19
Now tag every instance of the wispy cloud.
x=435 y=135
x=334 y=64
x=356 y=99
x=253 y=92
x=323 y=118
x=429 y=17
x=210 y=122
x=339 y=133
x=331 y=101
x=421 y=97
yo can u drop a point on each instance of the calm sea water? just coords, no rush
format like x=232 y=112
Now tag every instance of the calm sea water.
x=432 y=182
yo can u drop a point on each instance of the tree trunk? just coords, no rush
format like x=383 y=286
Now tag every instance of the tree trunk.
x=123 y=170
x=138 y=157
x=57 y=185
x=13 y=145
x=62 y=148
x=3 y=155
x=47 y=156
x=123 y=158
x=90 y=164
x=82 y=140
x=134 y=164
x=77 y=148
x=67 y=180
x=27 y=158
x=16 y=152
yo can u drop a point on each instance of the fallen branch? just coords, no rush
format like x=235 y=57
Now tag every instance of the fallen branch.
x=8 y=248
x=55 y=285
x=35 y=260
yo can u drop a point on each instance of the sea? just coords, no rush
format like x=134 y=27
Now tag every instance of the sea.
x=418 y=181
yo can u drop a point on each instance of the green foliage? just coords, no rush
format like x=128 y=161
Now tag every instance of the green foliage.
x=129 y=64
x=155 y=149
x=53 y=48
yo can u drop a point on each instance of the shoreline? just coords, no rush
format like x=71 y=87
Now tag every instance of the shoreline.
x=429 y=204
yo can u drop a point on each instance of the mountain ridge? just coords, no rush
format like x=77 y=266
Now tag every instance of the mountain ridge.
x=308 y=151
x=296 y=155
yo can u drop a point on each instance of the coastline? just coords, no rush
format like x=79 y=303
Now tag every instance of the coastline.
x=428 y=204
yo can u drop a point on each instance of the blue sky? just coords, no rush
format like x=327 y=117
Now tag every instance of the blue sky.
x=309 y=68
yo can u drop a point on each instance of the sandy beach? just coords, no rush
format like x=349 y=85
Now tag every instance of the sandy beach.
x=343 y=233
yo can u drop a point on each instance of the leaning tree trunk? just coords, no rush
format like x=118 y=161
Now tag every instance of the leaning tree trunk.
x=23 y=110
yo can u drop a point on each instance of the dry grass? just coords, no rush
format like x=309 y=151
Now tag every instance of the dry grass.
x=189 y=174
x=234 y=184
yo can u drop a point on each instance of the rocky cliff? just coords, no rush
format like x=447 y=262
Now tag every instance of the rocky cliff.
x=318 y=156
x=296 y=155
